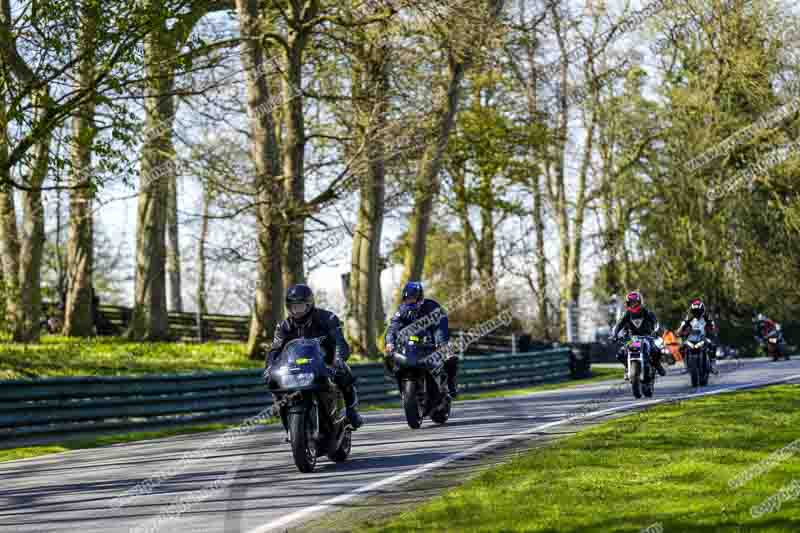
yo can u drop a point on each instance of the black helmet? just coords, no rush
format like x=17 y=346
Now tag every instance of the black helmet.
x=299 y=301
x=697 y=308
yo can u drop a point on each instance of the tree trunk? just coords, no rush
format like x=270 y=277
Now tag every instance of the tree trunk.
x=201 y=255
x=427 y=182
x=150 y=320
x=541 y=258
x=173 y=247
x=268 y=307
x=9 y=238
x=78 y=316
x=30 y=263
x=370 y=87
x=294 y=140
x=487 y=243
x=462 y=208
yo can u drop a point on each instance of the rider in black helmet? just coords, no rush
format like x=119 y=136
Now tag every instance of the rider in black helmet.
x=308 y=321
x=697 y=311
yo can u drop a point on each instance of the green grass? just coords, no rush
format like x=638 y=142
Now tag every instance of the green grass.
x=113 y=356
x=670 y=465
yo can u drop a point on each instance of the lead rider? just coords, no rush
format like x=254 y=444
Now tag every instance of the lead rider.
x=642 y=322
x=307 y=321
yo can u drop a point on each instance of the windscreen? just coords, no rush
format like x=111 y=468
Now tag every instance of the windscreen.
x=298 y=349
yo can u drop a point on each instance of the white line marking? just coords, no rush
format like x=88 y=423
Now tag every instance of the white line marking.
x=411 y=474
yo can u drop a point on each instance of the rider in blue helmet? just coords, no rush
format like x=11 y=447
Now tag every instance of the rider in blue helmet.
x=421 y=316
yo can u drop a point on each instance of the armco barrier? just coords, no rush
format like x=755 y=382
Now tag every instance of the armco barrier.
x=70 y=405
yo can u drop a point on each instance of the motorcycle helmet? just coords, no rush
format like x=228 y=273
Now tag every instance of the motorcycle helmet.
x=412 y=298
x=697 y=308
x=299 y=301
x=634 y=303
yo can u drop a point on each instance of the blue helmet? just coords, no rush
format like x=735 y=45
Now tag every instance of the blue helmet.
x=412 y=298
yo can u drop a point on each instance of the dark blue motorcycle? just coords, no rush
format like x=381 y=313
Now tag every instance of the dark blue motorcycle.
x=420 y=375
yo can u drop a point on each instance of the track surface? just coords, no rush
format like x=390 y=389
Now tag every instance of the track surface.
x=258 y=487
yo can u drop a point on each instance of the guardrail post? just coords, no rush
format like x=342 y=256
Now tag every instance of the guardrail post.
x=199 y=325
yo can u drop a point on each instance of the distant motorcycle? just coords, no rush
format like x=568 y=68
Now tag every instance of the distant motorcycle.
x=310 y=405
x=640 y=371
x=697 y=360
x=422 y=381
x=774 y=344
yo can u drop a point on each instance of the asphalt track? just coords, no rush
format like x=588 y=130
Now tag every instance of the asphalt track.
x=251 y=484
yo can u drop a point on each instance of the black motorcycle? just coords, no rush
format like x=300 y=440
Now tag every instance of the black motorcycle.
x=310 y=404
x=422 y=381
x=697 y=360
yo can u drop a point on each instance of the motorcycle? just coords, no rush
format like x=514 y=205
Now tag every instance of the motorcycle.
x=422 y=382
x=310 y=405
x=697 y=361
x=774 y=344
x=641 y=373
x=665 y=351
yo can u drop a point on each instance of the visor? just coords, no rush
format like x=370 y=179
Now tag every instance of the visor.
x=298 y=309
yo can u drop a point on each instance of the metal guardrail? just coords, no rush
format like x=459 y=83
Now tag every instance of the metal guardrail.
x=69 y=405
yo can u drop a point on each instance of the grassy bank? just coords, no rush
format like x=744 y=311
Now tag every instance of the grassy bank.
x=667 y=470
x=112 y=356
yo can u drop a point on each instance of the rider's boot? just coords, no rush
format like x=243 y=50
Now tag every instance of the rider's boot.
x=451 y=367
x=660 y=369
x=351 y=402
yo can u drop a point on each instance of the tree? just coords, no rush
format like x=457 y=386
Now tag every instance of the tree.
x=461 y=42
x=158 y=169
x=269 y=193
x=78 y=316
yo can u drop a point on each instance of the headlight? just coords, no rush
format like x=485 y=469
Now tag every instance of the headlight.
x=292 y=381
x=696 y=344
x=773 y=340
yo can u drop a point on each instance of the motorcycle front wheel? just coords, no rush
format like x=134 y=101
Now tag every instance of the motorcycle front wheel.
x=411 y=404
x=706 y=371
x=635 y=377
x=303 y=450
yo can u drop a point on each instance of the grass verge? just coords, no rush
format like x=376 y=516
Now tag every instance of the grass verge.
x=667 y=469
x=114 y=356
x=12 y=454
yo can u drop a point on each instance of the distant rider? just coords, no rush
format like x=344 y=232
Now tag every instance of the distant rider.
x=414 y=307
x=307 y=321
x=641 y=322
x=697 y=311
x=762 y=327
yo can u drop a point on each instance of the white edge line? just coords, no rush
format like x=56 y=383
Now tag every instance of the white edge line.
x=411 y=474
